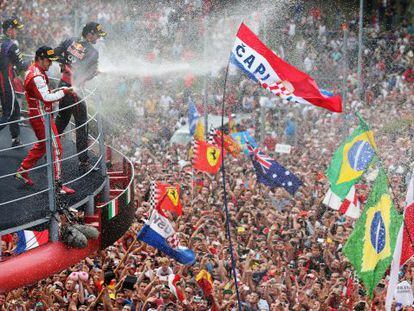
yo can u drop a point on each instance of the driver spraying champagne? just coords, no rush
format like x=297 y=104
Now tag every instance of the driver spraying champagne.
x=79 y=63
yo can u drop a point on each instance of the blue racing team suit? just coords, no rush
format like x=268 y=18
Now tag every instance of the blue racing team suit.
x=79 y=64
x=10 y=56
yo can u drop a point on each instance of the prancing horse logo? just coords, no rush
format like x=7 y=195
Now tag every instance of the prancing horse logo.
x=173 y=195
x=213 y=155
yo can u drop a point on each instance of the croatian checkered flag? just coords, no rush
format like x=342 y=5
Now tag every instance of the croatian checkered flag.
x=281 y=89
x=193 y=143
x=258 y=62
x=158 y=232
x=278 y=88
x=211 y=134
x=174 y=240
x=152 y=200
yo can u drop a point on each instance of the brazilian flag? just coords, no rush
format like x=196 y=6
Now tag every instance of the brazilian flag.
x=351 y=159
x=371 y=245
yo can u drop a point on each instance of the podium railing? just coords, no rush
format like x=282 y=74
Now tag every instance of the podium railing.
x=96 y=142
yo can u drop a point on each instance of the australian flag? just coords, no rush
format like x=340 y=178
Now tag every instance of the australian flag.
x=271 y=173
x=193 y=116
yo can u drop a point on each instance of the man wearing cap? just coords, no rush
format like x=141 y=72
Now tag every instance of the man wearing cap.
x=40 y=99
x=10 y=56
x=79 y=64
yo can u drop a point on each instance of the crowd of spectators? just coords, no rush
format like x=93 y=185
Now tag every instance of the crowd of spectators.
x=287 y=249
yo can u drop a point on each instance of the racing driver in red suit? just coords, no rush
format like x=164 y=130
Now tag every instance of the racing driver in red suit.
x=40 y=99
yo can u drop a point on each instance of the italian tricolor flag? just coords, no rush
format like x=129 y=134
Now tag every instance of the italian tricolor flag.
x=350 y=206
x=113 y=208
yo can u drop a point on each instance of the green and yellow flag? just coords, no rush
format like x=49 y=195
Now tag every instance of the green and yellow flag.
x=371 y=245
x=351 y=159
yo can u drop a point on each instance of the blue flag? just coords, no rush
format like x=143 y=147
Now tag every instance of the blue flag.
x=243 y=138
x=271 y=173
x=193 y=116
x=159 y=233
x=290 y=129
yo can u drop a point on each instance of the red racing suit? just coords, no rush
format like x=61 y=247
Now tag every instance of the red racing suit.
x=40 y=99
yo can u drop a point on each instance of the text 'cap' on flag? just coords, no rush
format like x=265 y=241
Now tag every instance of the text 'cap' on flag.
x=262 y=65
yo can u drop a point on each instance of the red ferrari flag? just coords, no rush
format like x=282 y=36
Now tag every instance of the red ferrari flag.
x=230 y=145
x=166 y=197
x=207 y=157
x=262 y=65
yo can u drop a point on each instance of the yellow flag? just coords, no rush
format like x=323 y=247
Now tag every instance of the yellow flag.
x=199 y=131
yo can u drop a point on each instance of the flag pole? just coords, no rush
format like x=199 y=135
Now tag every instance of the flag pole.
x=205 y=80
x=192 y=186
x=361 y=25
x=262 y=117
x=223 y=174
x=344 y=76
